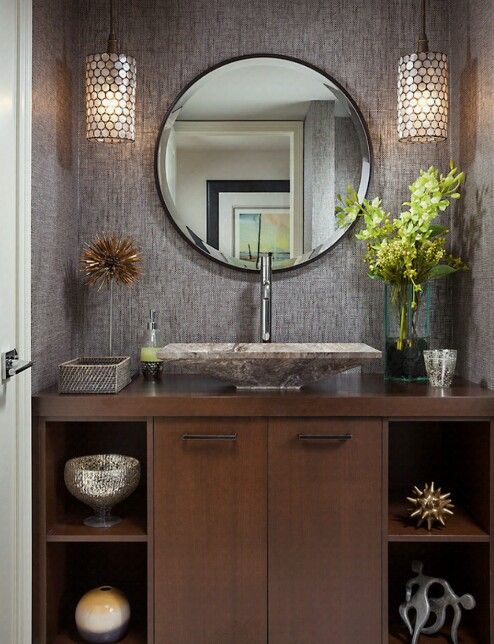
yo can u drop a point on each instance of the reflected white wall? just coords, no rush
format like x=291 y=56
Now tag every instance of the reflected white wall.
x=195 y=168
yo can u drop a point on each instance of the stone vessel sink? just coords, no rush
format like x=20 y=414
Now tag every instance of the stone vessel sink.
x=265 y=366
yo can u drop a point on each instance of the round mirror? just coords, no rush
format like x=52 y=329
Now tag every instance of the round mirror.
x=252 y=156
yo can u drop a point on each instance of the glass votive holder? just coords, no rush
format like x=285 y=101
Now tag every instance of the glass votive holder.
x=152 y=370
x=440 y=365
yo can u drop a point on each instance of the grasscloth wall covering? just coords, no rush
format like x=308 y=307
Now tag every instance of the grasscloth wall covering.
x=55 y=216
x=359 y=43
x=472 y=31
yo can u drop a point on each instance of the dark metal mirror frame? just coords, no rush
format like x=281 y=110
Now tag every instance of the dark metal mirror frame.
x=190 y=240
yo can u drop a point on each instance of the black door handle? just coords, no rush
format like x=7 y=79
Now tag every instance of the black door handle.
x=209 y=437
x=324 y=437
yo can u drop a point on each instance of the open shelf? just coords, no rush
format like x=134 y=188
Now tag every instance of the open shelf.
x=74 y=558
x=455 y=455
x=70 y=527
x=460 y=527
x=75 y=568
x=464 y=565
x=64 y=513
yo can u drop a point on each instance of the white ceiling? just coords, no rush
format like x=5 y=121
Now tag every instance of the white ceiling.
x=259 y=89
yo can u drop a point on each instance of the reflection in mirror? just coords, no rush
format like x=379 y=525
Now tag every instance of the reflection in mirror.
x=251 y=159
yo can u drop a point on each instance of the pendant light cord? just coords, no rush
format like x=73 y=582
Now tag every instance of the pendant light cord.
x=423 y=44
x=112 y=40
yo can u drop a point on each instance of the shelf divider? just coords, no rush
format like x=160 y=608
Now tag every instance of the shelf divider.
x=136 y=635
x=72 y=529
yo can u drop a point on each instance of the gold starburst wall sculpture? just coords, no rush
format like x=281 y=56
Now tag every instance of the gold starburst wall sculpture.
x=111 y=258
x=430 y=505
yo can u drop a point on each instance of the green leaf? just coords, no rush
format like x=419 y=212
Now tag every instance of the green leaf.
x=441 y=270
x=375 y=277
x=438 y=231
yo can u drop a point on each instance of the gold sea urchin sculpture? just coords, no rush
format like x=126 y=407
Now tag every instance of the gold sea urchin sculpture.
x=109 y=258
x=430 y=505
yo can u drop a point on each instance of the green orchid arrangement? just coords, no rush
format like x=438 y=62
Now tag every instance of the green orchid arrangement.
x=410 y=249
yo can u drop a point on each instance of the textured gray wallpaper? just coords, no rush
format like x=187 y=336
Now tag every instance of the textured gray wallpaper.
x=472 y=31
x=359 y=43
x=54 y=188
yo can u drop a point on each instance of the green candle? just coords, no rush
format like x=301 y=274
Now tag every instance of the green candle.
x=149 y=354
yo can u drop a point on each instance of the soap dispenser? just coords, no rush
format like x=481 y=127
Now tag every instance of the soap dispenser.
x=151 y=366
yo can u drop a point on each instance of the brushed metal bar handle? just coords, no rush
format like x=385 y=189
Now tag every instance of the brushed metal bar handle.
x=209 y=437
x=11 y=365
x=324 y=437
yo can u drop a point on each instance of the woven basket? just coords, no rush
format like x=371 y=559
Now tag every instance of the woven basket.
x=98 y=375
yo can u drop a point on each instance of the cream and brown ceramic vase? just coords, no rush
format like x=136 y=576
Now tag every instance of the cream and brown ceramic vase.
x=102 y=615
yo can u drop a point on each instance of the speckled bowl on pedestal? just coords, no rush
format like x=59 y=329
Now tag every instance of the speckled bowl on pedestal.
x=101 y=481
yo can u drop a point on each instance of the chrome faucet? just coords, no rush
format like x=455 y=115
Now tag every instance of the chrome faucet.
x=266 y=296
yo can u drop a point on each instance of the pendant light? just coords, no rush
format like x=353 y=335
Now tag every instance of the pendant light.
x=423 y=93
x=110 y=93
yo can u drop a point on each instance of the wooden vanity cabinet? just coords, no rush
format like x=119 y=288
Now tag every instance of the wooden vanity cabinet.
x=324 y=530
x=210 y=530
x=275 y=517
x=219 y=519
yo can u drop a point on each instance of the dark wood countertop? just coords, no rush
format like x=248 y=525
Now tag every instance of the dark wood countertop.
x=343 y=395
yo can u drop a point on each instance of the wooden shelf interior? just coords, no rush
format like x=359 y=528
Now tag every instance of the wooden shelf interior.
x=455 y=455
x=75 y=568
x=71 y=529
x=460 y=527
x=134 y=636
x=399 y=635
x=464 y=565
x=64 y=513
x=132 y=527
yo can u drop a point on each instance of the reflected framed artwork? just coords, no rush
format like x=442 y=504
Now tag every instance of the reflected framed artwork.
x=215 y=189
x=260 y=230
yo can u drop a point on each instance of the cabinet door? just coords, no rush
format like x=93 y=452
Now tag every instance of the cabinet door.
x=324 y=531
x=210 y=543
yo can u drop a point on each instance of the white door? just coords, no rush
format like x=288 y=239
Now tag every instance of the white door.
x=15 y=422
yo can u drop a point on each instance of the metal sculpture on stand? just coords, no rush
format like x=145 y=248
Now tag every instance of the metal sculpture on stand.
x=107 y=259
x=417 y=598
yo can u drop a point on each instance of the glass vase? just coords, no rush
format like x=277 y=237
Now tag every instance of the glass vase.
x=406 y=331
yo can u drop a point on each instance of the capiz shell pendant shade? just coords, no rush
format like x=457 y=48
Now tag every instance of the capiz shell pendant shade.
x=423 y=97
x=423 y=93
x=110 y=97
x=110 y=93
